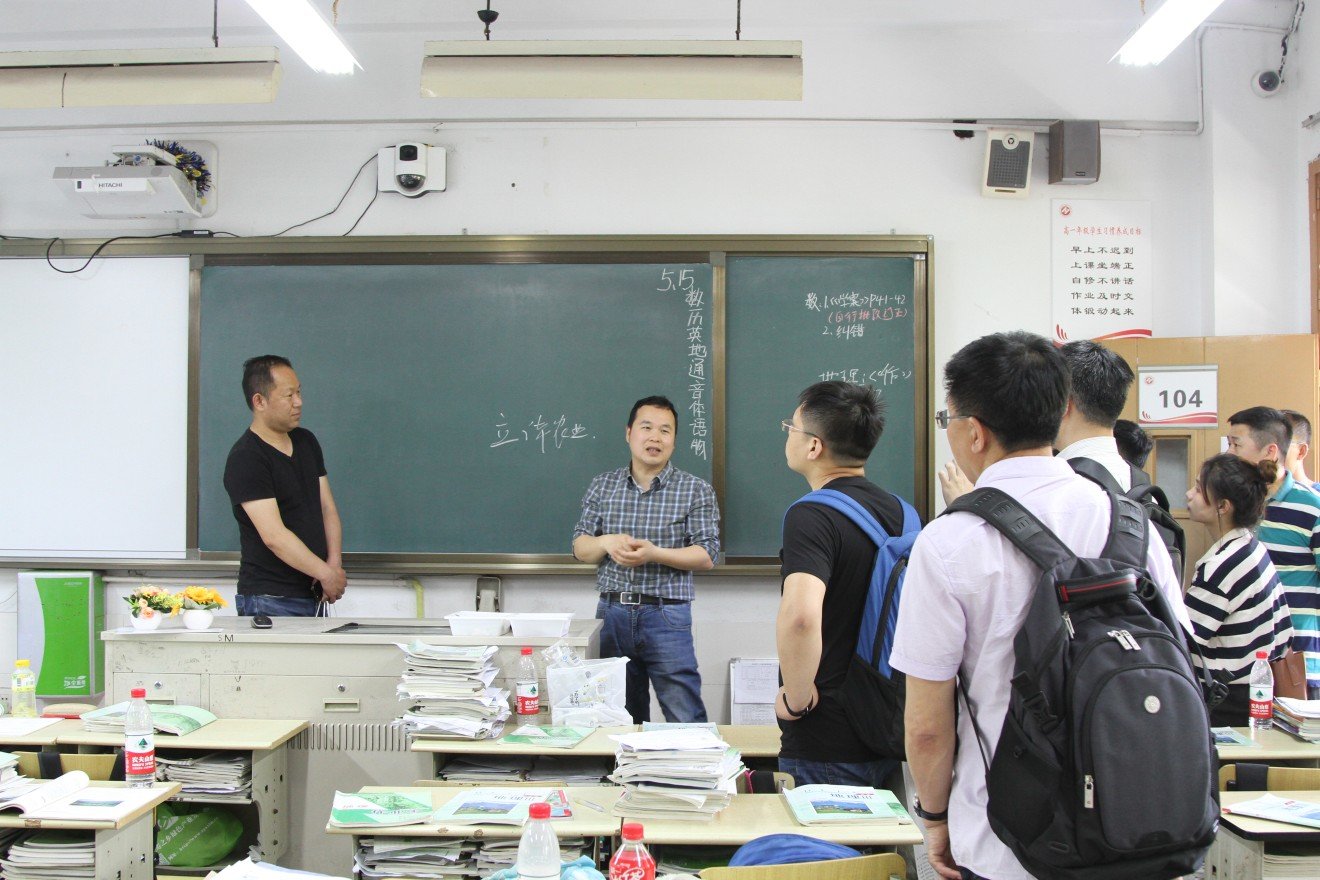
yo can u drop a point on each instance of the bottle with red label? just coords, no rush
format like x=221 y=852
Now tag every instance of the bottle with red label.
x=139 y=742
x=1261 y=689
x=527 y=691
x=632 y=861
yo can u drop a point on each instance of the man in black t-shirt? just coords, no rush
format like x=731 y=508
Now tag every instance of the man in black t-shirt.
x=288 y=526
x=826 y=566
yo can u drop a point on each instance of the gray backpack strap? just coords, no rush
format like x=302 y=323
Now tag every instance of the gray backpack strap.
x=1016 y=523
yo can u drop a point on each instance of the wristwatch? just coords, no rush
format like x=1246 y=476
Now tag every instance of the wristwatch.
x=941 y=816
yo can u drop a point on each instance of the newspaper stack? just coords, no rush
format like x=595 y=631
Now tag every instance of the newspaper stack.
x=495 y=855
x=674 y=774
x=1299 y=717
x=448 y=689
x=218 y=776
x=45 y=854
x=568 y=770
x=378 y=858
x=487 y=768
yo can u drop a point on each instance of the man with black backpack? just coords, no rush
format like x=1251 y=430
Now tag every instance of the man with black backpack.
x=828 y=562
x=1042 y=767
x=1100 y=380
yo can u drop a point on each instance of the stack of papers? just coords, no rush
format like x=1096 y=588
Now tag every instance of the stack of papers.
x=379 y=858
x=1298 y=717
x=174 y=719
x=844 y=805
x=568 y=770
x=487 y=768
x=46 y=854
x=448 y=689
x=500 y=806
x=495 y=855
x=219 y=776
x=674 y=774
x=250 y=870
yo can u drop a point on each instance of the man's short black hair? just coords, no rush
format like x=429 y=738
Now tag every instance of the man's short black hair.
x=1134 y=444
x=1100 y=381
x=1015 y=383
x=257 y=375
x=653 y=400
x=1267 y=425
x=1300 y=424
x=848 y=418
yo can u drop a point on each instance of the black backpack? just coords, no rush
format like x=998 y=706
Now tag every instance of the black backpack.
x=1151 y=498
x=1105 y=768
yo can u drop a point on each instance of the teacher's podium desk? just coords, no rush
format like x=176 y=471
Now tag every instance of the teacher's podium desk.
x=1240 y=847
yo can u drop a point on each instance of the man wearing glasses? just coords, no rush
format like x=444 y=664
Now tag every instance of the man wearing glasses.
x=967 y=588
x=826 y=565
x=647 y=527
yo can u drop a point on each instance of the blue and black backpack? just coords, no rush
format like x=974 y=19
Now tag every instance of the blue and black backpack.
x=873 y=693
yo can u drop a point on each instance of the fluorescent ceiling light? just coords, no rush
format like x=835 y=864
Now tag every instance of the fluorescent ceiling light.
x=698 y=69
x=307 y=33
x=108 y=78
x=1164 y=30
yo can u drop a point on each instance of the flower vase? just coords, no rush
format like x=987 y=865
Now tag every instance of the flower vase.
x=145 y=623
x=197 y=618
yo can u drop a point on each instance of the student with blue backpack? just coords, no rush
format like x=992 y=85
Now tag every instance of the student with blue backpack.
x=835 y=587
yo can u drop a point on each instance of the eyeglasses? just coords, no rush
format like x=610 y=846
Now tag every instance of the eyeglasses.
x=789 y=427
x=942 y=419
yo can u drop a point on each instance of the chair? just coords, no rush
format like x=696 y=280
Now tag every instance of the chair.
x=48 y=765
x=1261 y=777
x=763 y=782
x=880 y=866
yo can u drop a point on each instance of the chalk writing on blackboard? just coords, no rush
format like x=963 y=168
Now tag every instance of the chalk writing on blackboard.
x=539 y=433
x=684 y=282
x=886 y=375
x=847 y=314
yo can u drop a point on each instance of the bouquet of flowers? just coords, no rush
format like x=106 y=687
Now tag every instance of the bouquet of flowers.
x=193 y=598
x=148 y=601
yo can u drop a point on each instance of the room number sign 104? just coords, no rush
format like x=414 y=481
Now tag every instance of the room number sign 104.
x=1178 y=397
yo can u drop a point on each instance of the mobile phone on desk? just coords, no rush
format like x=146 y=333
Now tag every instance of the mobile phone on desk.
x=261 y=621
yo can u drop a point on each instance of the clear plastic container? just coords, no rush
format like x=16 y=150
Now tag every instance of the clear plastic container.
x=139 y=742
x=23 y=691
x=538 y=850
x=1261 y=687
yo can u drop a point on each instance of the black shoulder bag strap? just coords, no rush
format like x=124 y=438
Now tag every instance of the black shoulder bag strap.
x=1096 y=473
x=1016 y=523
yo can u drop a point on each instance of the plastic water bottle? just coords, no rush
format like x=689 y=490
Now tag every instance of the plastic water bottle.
x=632 y=861
x=538 y=850
x=23 y=691
x=528 y=693
x=1262 y=693
x=139 y=742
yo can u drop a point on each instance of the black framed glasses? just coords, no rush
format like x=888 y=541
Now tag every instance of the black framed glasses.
x=942 y=419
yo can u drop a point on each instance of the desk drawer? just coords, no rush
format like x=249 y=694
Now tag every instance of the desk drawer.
x=164 y=687
x=313 y=697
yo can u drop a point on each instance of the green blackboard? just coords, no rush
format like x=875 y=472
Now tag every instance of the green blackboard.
x=796 y=320
x=462 y=408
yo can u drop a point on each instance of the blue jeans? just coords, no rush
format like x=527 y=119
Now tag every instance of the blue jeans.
x=276 y=606
x=869 y=773
x=657 y=640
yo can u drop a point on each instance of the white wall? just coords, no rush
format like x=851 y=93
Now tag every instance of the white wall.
x=853 y=157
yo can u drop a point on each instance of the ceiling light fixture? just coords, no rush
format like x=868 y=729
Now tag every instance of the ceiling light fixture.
x=1161 y=33
x=110 y=78
x=301 y=26
x=692 y=69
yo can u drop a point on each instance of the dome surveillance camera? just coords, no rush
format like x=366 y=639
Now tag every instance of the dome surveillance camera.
x=411 y=169
x=1266 y=83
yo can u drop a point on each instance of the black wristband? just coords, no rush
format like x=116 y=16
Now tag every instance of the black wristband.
x=789 y=709
x=941 y=816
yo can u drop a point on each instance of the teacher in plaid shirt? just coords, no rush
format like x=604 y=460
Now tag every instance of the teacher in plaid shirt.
x=647 y=527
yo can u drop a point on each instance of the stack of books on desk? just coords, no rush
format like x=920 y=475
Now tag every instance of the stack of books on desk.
x=378 y=858
x=1298 y=717
x=487 y=768
x=496 y=855
x=46 y=854
x=217 y=776
x=448 y=689
x=568 y=769
x=674 y=774
x=175 y=719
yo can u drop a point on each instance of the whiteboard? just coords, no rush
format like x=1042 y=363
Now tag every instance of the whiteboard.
x=94 y=409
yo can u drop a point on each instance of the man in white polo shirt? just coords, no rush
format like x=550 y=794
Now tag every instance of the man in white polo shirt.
x=967 y=587
x=1099 y=383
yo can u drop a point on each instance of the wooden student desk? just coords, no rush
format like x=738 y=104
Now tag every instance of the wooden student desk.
x=125 y=848
x=263 y=738
x=1239 y=849
x=45 y=738
x=1272 y=745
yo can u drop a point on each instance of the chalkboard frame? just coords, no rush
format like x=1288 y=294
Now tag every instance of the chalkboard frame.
x=365 y=250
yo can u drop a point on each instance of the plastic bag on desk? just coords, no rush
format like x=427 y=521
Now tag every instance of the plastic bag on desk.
x=561 y=653
x=596 y=715
x=598 y=685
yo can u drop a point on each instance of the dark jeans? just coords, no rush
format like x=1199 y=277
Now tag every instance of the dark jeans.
x=276 y=606
x=657 y=640
x=868 y=773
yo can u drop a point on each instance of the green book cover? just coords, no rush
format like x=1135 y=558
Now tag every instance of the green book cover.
x=550 y=737
x=377 y=809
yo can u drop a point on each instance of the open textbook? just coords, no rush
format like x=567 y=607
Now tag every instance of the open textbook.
x=843 y=804
x=377 y=809
x=72 y=798
x=175 y=719
x=1278 y=809
x=500 y=806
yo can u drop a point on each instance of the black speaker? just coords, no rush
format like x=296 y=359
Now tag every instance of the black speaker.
x=1074 y=151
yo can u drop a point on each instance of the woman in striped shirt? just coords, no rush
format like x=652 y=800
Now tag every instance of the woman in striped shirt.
x=1235 y=601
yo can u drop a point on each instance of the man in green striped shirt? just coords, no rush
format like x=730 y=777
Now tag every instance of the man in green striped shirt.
x=1290 y=530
